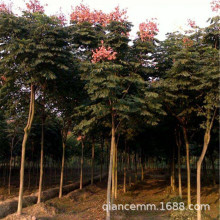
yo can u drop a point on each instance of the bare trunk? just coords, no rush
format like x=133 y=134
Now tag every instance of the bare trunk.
x=179 y=171
x=93 y=154
x=173 y=171
x=81 y=168
x=188 y=167
x=110 y=170
x=113 y=176
x=26 y=134
x=41 y=161
x=142 y=171
x=209 y=124
x=116 y=172
x=62 y=170
x=198 y=177
x=101 y=161
x=10 y=165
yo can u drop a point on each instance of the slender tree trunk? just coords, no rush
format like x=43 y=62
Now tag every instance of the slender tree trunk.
x=135 y=163
x=81 y=168
x=10 y=165
x=209 y=124
x=129 y=167
x=142 y=171
x=110 y=170
x=116 y=171
x=199 y=163
x=173 y=171
x=113 y=175
x=101 y=160
x=178 y=142
x=24 y=142
x=41 y=160
x=93 y=154
x=188 y=166
x=62 y=170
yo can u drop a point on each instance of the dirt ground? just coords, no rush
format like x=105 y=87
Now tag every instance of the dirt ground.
x=87 y=203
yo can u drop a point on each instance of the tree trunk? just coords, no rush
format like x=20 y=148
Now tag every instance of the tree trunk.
x=135 y=163
x=173 y=170
x=113 y=175
x=93 y=154
x=41 y=160
x=142 y=171
x=81 y=168
x=188 y=166
x=101 y=160
x=116 y=172
x=62 y=170
x=10 y=165
x=110 y=170
x=178 y=142
x=209 y=124
x=198 y=177
x=24 y=142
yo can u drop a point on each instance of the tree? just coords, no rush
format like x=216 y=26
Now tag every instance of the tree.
x=33 y=51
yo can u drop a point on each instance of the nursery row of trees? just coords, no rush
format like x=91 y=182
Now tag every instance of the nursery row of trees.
x=89 y=81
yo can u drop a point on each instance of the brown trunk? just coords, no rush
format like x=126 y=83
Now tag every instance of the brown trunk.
x=41 y=160
x=26 y=134
x=93 y=154
x=198 y=177
x=113 y=175
x=116 y=172
x=101 y=160
x=110 y=170
x=209 y=124
x=10 y=165
x=173 y=171
x=81 y=167
x=178 y=143
x=188 y=166
x=124 y=187
x=62 y=170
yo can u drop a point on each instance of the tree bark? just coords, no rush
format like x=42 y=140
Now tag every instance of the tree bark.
x=10 y=165
x=207 y=136
x=110 y=170
x=41 y=160
x=62 y=170
x=24 y=142
x=173 y=170
x=93 y=154
x=178 y=143
x=81 y=167
x=101 y=167
x=116 y=172
x=188 y=166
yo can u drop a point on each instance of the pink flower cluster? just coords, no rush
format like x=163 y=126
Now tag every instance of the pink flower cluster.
x=148 y=30
x=215 y=5
x=61 y=17
x=187 y=42
x=35 y=6
x=103 y=54
x=5 y=8
x=191 y=23
x=83 y=13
